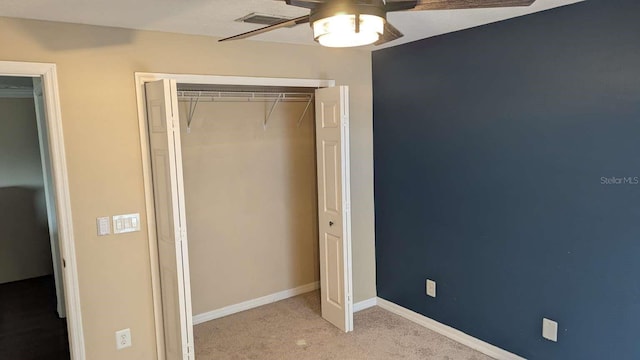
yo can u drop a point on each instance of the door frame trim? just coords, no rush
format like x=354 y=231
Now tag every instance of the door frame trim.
x=140 y=79
x=48 y=73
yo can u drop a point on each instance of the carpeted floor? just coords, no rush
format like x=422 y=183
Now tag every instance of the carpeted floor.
x=292 y=329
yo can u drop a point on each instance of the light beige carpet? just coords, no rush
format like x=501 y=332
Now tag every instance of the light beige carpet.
x=292 y=329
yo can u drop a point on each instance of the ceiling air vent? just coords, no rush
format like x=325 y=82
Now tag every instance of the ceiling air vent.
x=262 y=19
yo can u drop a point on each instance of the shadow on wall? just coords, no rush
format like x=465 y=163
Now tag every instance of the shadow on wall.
x=53 y=37
x=25 y=251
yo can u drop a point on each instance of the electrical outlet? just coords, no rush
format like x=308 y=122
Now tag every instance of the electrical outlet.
x=431 y=288
x=123 y=339
x=550 y=330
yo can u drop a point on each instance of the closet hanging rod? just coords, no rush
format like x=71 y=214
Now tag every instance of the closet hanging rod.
x=242 y=96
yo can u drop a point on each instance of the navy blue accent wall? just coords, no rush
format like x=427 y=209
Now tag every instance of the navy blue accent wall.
x=507 y=160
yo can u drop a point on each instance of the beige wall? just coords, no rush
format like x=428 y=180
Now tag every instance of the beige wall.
x=250 y=200
x=24 y=241
x=96 y=66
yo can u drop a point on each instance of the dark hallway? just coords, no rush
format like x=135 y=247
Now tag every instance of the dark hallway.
x=29 y=325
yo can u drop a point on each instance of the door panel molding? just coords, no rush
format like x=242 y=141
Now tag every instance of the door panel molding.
x=170 y=219
x=334 y=213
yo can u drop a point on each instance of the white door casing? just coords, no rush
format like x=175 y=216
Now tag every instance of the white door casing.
x=170 y=218
x=64 y=220
x=334 y=205
x=49 y=193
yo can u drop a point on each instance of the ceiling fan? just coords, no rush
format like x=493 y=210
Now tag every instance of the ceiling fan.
x=346 y=23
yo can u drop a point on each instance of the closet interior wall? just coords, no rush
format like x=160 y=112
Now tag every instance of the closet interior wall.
x=251 y=200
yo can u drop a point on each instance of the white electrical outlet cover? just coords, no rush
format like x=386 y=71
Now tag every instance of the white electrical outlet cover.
x=123 y=338
x=550 y=330
x=431 y=288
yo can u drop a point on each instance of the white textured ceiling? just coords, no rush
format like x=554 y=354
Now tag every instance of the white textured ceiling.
x=216 y=17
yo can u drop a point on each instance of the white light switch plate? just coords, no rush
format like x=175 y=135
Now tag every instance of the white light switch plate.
x=103 y=226
x=126 y=223
x=550 y=330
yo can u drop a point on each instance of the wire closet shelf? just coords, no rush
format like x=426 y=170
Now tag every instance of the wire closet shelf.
x=193 y=97
x=243 y=96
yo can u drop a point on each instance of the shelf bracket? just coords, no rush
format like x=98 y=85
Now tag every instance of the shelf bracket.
x=305 y=110
x=273 y=107
x=192 y=111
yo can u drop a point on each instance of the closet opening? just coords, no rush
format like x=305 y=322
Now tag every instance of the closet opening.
x=248 y=198
x=249 y=167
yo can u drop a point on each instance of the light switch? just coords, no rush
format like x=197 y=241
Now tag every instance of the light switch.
x=126 y=223
x=103 y=226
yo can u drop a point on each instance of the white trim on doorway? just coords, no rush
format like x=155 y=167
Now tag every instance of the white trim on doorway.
x=142 y=78
x=59 y=168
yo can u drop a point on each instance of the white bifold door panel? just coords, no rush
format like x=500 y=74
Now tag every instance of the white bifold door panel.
x=334 y=210
x=170 y=218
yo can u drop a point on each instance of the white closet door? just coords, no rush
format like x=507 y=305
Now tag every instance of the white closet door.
x=170 y=218
x=334 y=218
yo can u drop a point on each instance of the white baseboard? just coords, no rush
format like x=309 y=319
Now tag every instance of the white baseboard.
x=451 y=333
x=365 y=304
x=254 y=303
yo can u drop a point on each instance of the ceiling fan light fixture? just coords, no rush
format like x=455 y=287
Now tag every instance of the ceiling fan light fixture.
x=345 y=23
x=347 y=27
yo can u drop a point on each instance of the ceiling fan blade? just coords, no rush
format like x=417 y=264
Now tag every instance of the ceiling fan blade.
x=285 y=23
x=399 y=5
x=307 y=4
x=390 y=33
x=468 y=4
